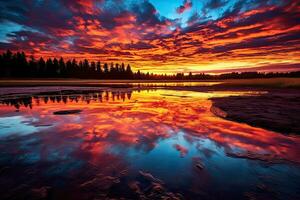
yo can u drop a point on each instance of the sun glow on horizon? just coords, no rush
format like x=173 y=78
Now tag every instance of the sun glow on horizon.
x=181 y=36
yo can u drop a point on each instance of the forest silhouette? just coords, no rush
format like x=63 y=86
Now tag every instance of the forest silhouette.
x=18 y=65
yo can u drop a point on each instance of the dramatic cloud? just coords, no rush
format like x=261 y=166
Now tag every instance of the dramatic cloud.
x=187 y=4
x=183 y=36
x=213 y=4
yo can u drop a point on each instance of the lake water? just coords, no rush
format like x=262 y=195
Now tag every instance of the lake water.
x=146 y=144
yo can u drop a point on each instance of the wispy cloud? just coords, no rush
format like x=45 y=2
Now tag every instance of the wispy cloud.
x=187 y=4
x=241 y=34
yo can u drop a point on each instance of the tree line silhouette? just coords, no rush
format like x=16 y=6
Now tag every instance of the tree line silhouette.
x=17 y=65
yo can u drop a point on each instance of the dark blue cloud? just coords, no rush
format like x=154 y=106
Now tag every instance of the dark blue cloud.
x=137 y=29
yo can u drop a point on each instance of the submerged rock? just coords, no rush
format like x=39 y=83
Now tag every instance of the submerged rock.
x=135 y=186
x=4 y=170
x=150 y=177
x=153 y=190
x=198 y=163
x=40 y=193
x=101 y=182
x=218 y=111
x=268 y=158
x=200 y=166
x=67 y=112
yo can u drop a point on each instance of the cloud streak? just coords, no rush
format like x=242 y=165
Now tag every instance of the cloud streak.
x=187 y=5
x=240 y=35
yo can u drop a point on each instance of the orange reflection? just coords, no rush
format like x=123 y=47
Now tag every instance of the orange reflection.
x=142 y=118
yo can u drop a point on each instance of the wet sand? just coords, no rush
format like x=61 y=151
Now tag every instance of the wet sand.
x=277 y=110
x=257 y=83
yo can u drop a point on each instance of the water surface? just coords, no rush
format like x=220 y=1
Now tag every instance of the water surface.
x=147 y=144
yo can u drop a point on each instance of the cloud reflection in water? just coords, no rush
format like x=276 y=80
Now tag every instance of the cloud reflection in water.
x=163 y=132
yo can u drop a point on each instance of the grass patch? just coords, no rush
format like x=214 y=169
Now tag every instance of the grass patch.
x=270 y=82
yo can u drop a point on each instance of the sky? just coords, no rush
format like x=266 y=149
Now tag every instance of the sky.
x=159 y=36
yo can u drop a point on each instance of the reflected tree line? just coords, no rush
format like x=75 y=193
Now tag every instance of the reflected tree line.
x=29 y=101
x=18 y=65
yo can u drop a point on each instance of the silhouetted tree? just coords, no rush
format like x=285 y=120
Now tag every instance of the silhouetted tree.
x=42 y=67
x=32 y=70
x=129 y=74
x=106 y=71
x=61 y=67
x=17 y=65
x=99 y=67
x=49 y=68
x=68 y=68
x=122 y=68
x=56 y=69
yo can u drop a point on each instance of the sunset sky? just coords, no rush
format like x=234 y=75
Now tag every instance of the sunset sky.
x=160 y=36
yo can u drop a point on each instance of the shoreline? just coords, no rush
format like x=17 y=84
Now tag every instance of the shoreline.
x=84 y=82
x=213 y=84
x=278 y=110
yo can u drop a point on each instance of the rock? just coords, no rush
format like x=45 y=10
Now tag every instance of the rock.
x=135 y=186
x=67 y=112
x=4 y=170
x=18 y=192
x=40 y=193
x=154 y=189
x=158 y=188
x=269 y=158
x=250 y=196
x=101 y=183
x=150 y=177
x=200 y=166
x=90 y=182
x=262 y=187
x=218 y=111
x=124 y=172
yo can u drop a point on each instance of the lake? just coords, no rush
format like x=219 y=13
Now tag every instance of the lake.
x=128 y=143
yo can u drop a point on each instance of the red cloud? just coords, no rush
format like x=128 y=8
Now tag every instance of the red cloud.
x=266 y=35
x=183 y=151
x=125 y=18
x=187 y=4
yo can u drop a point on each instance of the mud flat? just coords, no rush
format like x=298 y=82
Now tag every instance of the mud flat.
x=278 y=110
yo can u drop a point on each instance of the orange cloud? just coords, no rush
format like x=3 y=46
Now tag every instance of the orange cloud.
x=263 y=35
